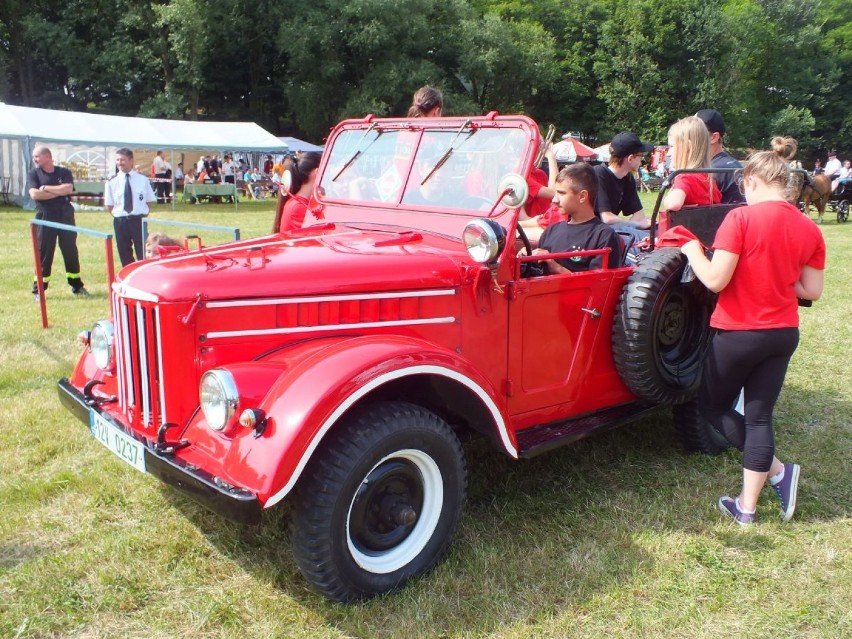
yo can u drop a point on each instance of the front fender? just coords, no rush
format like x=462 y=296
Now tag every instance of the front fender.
x=321 y=381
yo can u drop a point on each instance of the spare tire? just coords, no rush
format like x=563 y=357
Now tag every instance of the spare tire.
x=662 y=330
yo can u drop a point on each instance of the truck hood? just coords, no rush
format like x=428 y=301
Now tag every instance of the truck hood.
x=311 y=262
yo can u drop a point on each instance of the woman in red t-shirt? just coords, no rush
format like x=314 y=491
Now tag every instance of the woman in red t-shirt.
x=767 y=255
x=689 y=145
x=303 y=173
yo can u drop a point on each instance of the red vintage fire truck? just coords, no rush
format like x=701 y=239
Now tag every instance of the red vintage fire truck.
x=339 y=366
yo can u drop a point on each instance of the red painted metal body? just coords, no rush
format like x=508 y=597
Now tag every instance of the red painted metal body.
x=377 y=296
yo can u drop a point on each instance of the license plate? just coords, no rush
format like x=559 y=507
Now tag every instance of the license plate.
x=124 y=447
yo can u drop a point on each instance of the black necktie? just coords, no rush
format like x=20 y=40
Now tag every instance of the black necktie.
x=128 y=195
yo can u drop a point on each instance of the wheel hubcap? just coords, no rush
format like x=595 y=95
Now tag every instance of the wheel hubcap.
x=394 y=511
x=386 y=507
x=679 y=335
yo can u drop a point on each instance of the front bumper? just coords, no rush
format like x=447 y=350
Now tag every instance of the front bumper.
x=232 y=503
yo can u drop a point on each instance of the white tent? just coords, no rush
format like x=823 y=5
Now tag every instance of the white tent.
x=21 y=128
x=296 y=144
x=570 y=149
x=602 y=152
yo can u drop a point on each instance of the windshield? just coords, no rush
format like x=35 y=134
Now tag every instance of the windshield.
x=455 y=168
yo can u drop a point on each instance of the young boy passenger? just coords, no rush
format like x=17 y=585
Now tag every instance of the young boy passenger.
x=576 y=190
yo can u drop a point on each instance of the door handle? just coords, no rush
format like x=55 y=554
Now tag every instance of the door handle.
x=595 y=313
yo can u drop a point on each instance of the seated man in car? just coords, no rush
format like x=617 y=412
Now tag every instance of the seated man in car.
x=576 y=190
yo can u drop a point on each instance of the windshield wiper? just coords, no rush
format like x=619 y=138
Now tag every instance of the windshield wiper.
x=449 y=150
x=358 y=151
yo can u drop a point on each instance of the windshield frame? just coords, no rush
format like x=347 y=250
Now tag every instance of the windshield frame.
x=446 y=134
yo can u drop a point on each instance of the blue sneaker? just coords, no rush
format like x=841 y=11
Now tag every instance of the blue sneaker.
x=731 y=508
x=787 y=490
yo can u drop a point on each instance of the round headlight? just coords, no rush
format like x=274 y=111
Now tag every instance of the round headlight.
x=101 y=341
x=484 y=240
x=219 y=398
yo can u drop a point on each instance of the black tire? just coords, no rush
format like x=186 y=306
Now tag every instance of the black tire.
x=696 y=433
x=379 y=503
x=843 y=211
x=662 y=330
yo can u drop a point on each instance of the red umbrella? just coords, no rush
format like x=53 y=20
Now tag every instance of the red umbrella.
x=572 y=150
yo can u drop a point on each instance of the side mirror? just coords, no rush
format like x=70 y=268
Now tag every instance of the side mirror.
x=287 y=180
x=513 y=191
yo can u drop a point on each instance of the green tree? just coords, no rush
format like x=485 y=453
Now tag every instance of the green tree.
x=834 y=116
x=185 y=26
x=634 y=64
x=352 y=58
x=775 y=64
x=506 y=64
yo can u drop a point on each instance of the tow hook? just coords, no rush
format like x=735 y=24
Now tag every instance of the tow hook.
x=91 y=400
x=165 y=448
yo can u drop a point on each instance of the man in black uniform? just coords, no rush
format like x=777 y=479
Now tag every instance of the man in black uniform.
x=49 y=187
x=576 y=190
x=727 y=182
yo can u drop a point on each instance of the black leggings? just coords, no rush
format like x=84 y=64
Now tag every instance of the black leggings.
x=757 y=362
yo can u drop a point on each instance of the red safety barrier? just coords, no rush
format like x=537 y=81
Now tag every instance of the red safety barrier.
x=110 y=265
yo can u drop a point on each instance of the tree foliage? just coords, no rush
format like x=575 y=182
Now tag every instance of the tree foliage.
x=590 y=66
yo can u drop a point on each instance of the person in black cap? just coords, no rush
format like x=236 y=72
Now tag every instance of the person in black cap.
x=617 y=187
x=721 y=159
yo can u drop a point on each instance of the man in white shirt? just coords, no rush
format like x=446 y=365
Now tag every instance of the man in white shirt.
x=126 y=196
x=163 y=172
x=229 y=168
x=833 y=166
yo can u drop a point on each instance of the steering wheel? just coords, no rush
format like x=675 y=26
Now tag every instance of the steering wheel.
x=522 y=234
x=530 y=269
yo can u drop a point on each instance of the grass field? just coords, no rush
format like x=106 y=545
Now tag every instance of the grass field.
x=615 y=536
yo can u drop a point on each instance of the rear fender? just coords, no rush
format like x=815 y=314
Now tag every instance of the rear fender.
x=322 y=381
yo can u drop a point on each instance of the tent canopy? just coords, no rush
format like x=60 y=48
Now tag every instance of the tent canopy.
x=295 y=145
x=572 y=150
x=21 y=128
x=70 y=127
x=602 y=152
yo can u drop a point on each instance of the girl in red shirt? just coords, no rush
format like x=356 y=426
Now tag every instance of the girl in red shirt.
x=767 y=255
x=689 y=145
x=303 y=173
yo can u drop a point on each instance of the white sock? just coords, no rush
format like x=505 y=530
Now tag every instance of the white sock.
x=742 y=510
x=776 y=478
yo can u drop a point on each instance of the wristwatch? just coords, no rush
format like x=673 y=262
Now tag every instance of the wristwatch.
x=41 y=188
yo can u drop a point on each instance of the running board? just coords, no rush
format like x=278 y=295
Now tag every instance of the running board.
x=540 y=439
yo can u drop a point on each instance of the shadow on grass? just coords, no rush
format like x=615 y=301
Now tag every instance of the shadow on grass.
x=539 y=538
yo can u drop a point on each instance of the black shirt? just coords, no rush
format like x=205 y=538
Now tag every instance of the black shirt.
x=38 y=177
x=614 y=194
x=727 y=182
x=593 y=234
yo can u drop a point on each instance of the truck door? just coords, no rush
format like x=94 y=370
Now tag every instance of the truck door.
x=554 y=322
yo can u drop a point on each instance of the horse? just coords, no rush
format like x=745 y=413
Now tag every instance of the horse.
x=818 y=191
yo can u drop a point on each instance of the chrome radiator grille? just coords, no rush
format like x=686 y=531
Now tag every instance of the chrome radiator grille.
x=139 y=361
